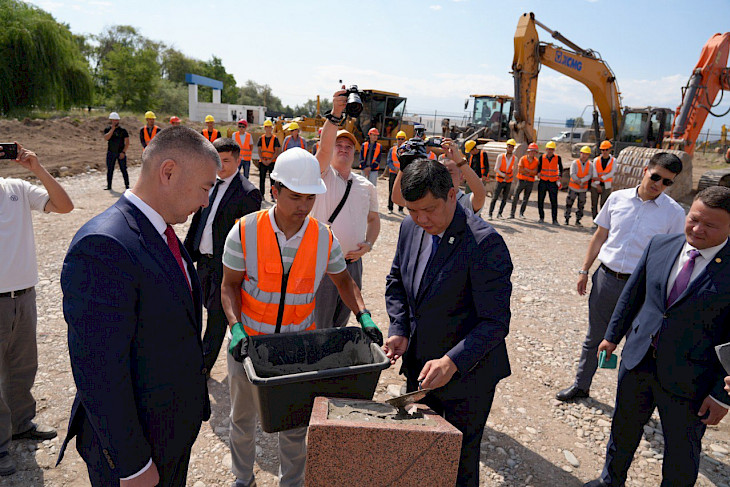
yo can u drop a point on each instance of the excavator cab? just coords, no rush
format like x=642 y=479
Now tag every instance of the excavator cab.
x=382 y=110
x=491 y=115
x=644 y=127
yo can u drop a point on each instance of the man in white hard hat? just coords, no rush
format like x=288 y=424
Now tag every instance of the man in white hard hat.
x=117 y=144
x=282 y=244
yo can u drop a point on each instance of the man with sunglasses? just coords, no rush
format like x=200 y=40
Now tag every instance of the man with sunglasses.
x=626 y=223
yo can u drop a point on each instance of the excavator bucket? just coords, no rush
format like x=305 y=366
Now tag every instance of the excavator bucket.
x=631 y=162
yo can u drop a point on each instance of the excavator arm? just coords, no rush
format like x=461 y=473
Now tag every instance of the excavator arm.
x=584 y=66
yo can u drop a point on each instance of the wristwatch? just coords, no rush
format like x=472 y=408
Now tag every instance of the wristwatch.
x=358 y=315
x=334 y=120
x=581 y=271
x=369 y=245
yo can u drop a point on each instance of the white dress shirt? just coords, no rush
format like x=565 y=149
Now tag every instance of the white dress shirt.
x=631 y=223
x=206 y=240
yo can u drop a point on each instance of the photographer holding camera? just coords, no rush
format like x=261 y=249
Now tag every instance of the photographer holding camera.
x=18 y=315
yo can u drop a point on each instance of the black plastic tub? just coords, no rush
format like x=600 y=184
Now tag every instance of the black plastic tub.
x=289 y=370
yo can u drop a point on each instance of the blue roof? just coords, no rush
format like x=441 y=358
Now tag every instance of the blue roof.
x=196 y=79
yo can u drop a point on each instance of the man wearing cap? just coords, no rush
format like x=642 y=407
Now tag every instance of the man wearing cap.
x=580 y=177
x=393 y=168
x=269 y=149
x=148 y=132
x=526 y=172
x=116 y=150
x=210 y=132
x=503 y=170
x=550 y=170
x=357 y=222
x=174 y=120
x=245 y=142
x=603 y=170
x=293 y=139
x=370 y=156
x=282 y=244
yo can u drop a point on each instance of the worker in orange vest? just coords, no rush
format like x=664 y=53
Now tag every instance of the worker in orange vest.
x=148 y=132
x=273 y=263
x=210 y=132
x=503 y=170
x=245 y=142
x=293 y=139
x=478 y=161
x=316 y=144
x=174 y=120
x=580 y=177
x=603 y=171
x=269 y=149
x=526 y=172
x=550 y=170
x=393 y=168
x=370 y=156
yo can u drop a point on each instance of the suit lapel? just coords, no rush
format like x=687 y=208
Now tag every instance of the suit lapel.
x=230 y=191
x=708 y=274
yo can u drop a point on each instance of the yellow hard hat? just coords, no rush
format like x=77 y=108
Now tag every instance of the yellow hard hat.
x=268 y=123
x=149 y=115
x=550 y=145
x=293 y=126
x=209 y=118
x=470 y=144
x=605 y=145
x=585 y=149
x=401 y=134
x=512 y=142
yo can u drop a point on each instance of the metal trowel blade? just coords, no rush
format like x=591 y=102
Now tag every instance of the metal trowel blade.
x=406 y=399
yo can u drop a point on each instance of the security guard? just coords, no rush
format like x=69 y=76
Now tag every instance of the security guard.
x=210 y=132
x=245 y=142
x=273 y=263
x=148 y=132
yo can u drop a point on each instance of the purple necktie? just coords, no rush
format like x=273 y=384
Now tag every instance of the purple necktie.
x=683 y=278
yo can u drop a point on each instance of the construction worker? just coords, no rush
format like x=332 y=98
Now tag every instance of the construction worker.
x=370 y=156
x=526 y=172
x=149 y=131
x=269 y=149
x=117 y=144
x=461 y=171
x=293 y=139
x=603 y=169
x=549 y=169
x=316 y=144
x=420 y=132
x=503 y=171
x=210 y=132
x=478 y=161
x=580 y=177
x=245 y=142
x=394 y=167
x=265 y=249
x=174 y=120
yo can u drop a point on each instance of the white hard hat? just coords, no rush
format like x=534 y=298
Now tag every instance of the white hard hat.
x=114 y=116
x=298 y=170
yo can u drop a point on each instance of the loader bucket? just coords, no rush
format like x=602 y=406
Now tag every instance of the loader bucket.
x=631 y=162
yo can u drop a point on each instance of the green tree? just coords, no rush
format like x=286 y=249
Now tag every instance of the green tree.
x=41 y=65
x=579 y=123
x=214 y=69
x=171 y=97
x=133 y=75
x=309 y=108
x=255 y=94
x=176 y=64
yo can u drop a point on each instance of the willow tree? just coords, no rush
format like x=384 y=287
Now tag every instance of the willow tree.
x=41 y=64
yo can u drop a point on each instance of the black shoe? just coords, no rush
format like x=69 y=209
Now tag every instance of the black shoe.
x=578 y=223
x=108 y=188
x=571 y=393
x=511 y=217
x=541 y=220
x=400 y=208
x=38 y=432
x=596 y=483
x=555 y=222
x=7 y=465
x=567 y=221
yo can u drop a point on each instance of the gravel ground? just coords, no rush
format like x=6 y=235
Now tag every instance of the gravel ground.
x=530 y=439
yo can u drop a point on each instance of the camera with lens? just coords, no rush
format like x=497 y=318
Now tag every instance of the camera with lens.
x=354 y=101
x=411 y=150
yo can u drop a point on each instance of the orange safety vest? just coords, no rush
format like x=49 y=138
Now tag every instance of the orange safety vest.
x=315 y=148
x=246 y=147
x=527 y=164
x=394 y=158
x=288 y=139
x=267 y=150
x=602 y=171
x=485 y=170
x=271 y=301
x=147 y=137
x=501 y=166
x=431 y=156
x=582 y=172
x=549 y=171
x=376 y=152
x=212 y=136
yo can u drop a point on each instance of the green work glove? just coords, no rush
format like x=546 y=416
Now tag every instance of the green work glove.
x=370 y=328
x=238 y=348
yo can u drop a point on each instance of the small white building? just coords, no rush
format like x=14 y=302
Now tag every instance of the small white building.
x=222 y=112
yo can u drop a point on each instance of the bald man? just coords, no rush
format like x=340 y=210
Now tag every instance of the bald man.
x=132 y=301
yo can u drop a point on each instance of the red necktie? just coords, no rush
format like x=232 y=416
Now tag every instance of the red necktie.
x=175 y=249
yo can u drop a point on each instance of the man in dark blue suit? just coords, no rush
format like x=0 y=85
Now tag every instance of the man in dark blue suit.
x=674 y=310
x=448 y=297
x=132 y=302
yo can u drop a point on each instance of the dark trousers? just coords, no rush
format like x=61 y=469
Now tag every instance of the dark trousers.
x=570 y=199
x=111 y=159
x=639 y=392
x=502 y=188
x=597 y=198
x=551 y=188
x=246 y=167
x=391 y=181
x=215 y=328
x=263 y=169
x=525 y=186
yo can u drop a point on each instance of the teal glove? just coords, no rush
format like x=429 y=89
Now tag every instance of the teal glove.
x=370 y=328
x=238 y=348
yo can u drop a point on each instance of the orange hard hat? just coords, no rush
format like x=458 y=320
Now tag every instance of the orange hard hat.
x=605 y=145
x=532 y=146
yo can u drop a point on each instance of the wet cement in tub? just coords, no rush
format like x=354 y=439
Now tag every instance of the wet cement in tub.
x=352 y=353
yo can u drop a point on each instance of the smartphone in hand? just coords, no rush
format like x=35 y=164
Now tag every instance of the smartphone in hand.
x=607 y=364
x=9 y=150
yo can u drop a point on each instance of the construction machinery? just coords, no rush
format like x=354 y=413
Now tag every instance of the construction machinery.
x=489 y=119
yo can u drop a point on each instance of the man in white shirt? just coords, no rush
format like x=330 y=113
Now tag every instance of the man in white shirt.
x=18 y=317
x=356 y=225
x=629 y=219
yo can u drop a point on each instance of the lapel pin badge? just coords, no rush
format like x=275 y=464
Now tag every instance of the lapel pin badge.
x=718 y=260
x=451 y=240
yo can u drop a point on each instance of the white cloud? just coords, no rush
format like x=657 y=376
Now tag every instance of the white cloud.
x=51 y=6
x=435 y=7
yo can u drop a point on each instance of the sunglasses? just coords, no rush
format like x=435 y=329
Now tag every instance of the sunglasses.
x=655 y=177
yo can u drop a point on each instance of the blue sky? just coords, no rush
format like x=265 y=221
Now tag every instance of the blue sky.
x=435 y=52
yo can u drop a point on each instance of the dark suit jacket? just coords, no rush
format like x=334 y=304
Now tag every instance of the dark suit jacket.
x=688 y=330
x=462 y=308
x=134 y=342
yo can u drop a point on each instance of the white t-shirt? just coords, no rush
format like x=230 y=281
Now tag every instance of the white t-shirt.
x=17 y=243
x=350 y=226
